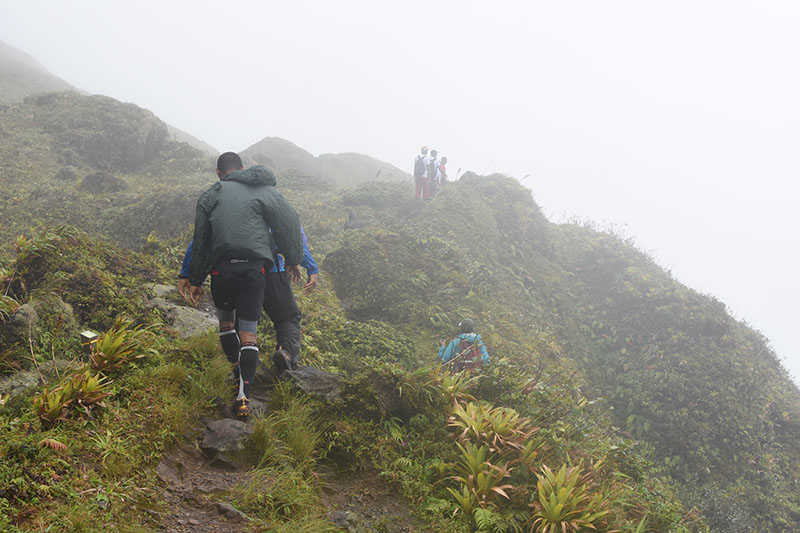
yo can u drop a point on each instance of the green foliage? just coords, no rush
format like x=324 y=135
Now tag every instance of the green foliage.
x=497 y=427
x=282 y=489
x=479 y=480
x=564 y=503
x=485 y=519
x=120 y=346
x=586 y=335
x=7 y=306
x=78 y=394
x=99 y=281
x=290 y=432
x=394 y=427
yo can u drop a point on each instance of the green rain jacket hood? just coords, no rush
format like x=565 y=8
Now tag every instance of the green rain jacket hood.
x=240 y=217
x=257 y=175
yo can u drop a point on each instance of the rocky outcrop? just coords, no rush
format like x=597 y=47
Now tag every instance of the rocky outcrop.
x=46 y=314
x=225 y=435
x=102 y=182
x=226 y=509
x=19 y=383
x=188 y=321
x=24 y=322
x=66 y=174
x=314 y=382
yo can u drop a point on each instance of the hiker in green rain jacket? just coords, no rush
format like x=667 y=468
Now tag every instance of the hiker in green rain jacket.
x=243 y=234
x=236 y=221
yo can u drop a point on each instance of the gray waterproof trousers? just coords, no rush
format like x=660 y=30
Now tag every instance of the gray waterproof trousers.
x=281 y=307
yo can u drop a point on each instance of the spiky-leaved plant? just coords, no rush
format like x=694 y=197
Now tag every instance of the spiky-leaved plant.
x=81 y=393
x=479 y=479
x=500 y=428
x=563 y=502
x=119 y=346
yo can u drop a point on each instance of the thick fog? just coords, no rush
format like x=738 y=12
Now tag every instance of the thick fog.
x=677 y=123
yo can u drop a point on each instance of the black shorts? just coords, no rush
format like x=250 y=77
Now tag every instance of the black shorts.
x=242 y=291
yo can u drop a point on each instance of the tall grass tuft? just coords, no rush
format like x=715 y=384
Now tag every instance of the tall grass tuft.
x=289 y=432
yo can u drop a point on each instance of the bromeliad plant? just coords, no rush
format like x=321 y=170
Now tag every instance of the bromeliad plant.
x=121 y=345
x=79 y=393
x=500 y=428
x=455 y=387
x=493 y=441
x=437 y=387
x=479 y=479
x=563 y=502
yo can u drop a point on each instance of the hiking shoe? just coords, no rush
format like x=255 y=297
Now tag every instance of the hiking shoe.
x=282 y=360
x=241 y=408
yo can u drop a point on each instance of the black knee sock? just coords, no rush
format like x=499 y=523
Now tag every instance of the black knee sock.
x=230 y=345
x=248 y=359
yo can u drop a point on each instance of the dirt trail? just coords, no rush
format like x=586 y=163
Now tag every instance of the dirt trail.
x=195 y=490
x=363 y=502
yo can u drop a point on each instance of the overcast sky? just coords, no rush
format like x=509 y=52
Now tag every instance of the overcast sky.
x=677 y=122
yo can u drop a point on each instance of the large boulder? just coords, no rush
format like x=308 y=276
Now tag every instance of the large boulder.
x=23 y=323
x=46 y=320
x=17 y=384
x=188 y=321
x=314 y=382
x=225 y=436
x=56 y=315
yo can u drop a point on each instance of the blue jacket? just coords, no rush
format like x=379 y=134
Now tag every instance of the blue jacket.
x=451 y=350
x=308 y=262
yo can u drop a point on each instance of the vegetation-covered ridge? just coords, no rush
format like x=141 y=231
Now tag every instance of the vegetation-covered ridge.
x=704 y=389
x=92 y=161
x=645 y=401
x=506 y=451
x=347 y=170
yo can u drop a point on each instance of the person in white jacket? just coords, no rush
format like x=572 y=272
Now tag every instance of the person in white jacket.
x=421 y=181
x=434 y=173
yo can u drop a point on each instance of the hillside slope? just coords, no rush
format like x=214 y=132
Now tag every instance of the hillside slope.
x=386 y=443
x=679 y=372
x=342 y=169
x=21 y=75
x=611 y=359
x=108 y=167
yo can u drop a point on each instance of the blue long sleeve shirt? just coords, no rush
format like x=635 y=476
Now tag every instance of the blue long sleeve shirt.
x=451 y=350
x=308 y=261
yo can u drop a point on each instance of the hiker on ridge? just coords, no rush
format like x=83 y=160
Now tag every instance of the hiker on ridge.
x=232 y=241
x=279 y=304
x=281 y=307
x=434 y=174
x=443 y=171
x=466 y=351
x=421 y=182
